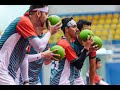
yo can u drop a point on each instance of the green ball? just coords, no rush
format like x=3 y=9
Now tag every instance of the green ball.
x=84 y=34
x=97 y=41
x=54 y=19
x=60 y=51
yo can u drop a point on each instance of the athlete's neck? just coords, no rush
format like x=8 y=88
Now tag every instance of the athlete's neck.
x=69 y=37
x=78 y=38
x=39 y=30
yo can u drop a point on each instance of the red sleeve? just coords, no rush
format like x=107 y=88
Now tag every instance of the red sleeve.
x=96 y=78
x=25 y=28
x=70 y=53
x=92 y=54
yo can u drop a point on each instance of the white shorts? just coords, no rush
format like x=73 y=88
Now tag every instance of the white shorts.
x=6 y=79
x=79 y=81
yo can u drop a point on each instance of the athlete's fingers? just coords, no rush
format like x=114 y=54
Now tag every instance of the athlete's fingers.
x=55 y=54
x=55 y=58
x=54 y=50
x=95 y=46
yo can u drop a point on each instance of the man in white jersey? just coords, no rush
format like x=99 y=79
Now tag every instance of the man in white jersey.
x=16 y=37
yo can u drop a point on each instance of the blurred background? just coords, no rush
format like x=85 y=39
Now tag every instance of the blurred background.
x=105 y=24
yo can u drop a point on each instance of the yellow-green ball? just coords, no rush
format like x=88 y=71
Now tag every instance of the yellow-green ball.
x=84 y=34
x=60 y=51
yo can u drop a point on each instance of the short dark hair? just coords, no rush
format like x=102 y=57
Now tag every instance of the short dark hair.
x=82 y=22
x=36 y=6
x=97 y=60
x=64 y=23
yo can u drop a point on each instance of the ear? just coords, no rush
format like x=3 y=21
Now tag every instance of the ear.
x=38 y=13
x=66 y=29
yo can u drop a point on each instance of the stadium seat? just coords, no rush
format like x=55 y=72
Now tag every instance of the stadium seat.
x=96 y=17
x=105 y=33
x=101 y=21
x=106 y=26
x=93 y=27
x=94 y=22
x=118 y=31
x=103 y=37
x=113 y=26
x=99 y=27
x=102 y=16
x=83 y=17
x=116 y=37
x=76 y=18
x=109 y=16
x=98 y=33
x=118 y=26
x=114 y=20
x=116 y=15
x=113 y=31
x=89 y=17
x=108 y=21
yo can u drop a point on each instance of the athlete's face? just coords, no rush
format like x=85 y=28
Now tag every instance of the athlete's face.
x=86 y=27
x=42 y=17
x=72 y=31
x=98 y=65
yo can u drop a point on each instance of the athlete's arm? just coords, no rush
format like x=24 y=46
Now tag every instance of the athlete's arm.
x=92 y=67
x=24 y=70
x=40 y=44
x=81 y=58
x=25 y=29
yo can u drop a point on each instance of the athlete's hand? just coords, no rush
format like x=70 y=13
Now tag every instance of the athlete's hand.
x=54 y=28
x=87 y=44
x=48 y=55
x=93 y=48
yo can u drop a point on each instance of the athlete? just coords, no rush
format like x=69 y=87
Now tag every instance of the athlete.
x=17 y=36
x=81 y=25
x=67 y=70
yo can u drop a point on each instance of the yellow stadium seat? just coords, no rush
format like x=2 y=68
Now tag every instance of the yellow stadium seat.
x=113 y=31
x=76 y=18
x=102 y=16
x=103 y=37
x=113 y=26
x=105 y=32
x=115 y=20
x=95 y=17
x=116 y=37
x=108 y=21
x=109 y=16
x=116 y=15
x=94 y=22
x=99 y=27
x=98 y=33
x=118 y=26
x=101 y=21
x=89 y=17
x=83 y=17
x=93 y=27
x=106 y=26
x=118 y=31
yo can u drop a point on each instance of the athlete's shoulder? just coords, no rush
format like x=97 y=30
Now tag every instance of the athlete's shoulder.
x=63 y=42
x=25 y=19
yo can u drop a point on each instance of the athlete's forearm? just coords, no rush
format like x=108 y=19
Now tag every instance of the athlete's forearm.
x=34 y=57
x=40 y=44
x=79 y=63
x=24 y=69
x=92 y=71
